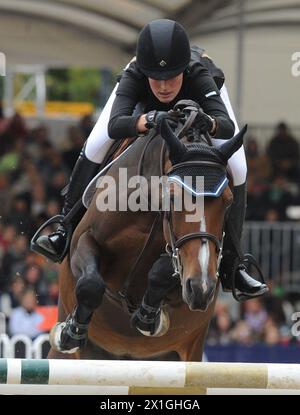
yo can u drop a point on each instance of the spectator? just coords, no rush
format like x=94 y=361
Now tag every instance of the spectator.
x=258 y=164
x=272 y=215
x=57 y=183
x=13 y=260
x=251 y=148
x=270 y=332
x=33 y=276
x=284 y=154
x=52 y=208
x=242 y=333
x=19 y=215
x=277 y=197
x=38 y=137
x=255 y=315
x=24 y=319
x=7 y=237
x=11 y=299
x=38 y=199
x=221 y=325
x=17 y=127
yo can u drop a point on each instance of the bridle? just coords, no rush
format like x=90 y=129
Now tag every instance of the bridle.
x=175 y=244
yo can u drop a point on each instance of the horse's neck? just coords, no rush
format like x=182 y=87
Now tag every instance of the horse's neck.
x=143 y=158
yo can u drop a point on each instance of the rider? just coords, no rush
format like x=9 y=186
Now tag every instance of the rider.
x=162 y=74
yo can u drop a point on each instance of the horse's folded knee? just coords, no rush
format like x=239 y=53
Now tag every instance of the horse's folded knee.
x=89 y=291
x=161 y=268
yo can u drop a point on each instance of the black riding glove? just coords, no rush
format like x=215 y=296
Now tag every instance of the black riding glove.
x=205 y=123
x=154 y=119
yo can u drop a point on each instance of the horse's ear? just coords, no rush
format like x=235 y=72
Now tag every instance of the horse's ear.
x=176 y=147
x=231 y=146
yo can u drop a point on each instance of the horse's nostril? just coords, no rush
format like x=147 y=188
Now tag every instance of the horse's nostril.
x=189 y=288
x=199 y=288
x=199 y=293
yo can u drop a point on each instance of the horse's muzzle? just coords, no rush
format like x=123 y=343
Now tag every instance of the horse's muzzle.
x=198 y=292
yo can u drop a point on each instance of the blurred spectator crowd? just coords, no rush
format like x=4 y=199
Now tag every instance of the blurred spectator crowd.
x=269 y=321
x=32 y=174
x=33 y=171
x=273 y=176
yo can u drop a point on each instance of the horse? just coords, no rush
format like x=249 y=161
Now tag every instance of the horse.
x=112 y=252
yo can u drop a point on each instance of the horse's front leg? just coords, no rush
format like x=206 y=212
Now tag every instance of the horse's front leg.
x=150 y=319
x=71 y=335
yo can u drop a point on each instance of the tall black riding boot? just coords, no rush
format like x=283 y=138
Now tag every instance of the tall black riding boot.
x=233 y=272
x=53 y=246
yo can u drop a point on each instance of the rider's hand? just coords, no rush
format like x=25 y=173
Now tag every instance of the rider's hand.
x=155 y=118
x=205 y=123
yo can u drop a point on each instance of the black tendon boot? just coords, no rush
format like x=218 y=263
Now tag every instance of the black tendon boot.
x=150 y=319
x=71 y=335
x=54 y=246
x=233 y=272
x=146 y=318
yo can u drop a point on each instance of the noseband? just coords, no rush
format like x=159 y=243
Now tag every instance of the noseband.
x=175 y=244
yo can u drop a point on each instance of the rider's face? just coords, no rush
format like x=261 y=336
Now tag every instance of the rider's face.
x=166 y=91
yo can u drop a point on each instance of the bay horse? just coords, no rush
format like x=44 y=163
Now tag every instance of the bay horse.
x=112 y=252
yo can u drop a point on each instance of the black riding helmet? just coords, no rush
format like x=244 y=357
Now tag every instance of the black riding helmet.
x=163 y=49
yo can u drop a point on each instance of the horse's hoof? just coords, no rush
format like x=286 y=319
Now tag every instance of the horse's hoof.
x=55 y=339
x=162 y=327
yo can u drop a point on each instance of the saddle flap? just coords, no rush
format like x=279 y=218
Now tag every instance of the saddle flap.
x=114 y=154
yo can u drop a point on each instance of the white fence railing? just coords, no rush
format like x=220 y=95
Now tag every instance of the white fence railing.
x=276 y=246
x=33 y=349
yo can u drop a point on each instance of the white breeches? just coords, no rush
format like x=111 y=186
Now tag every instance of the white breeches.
x=99 y=142
x=237 y=163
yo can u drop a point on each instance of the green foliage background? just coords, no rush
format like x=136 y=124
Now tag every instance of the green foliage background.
x=70 y=85
x=74 y=84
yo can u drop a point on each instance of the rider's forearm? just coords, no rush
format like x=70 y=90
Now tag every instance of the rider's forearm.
x=127 y=126
x=224 y=125
x=123 y=127
x=122 y=123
